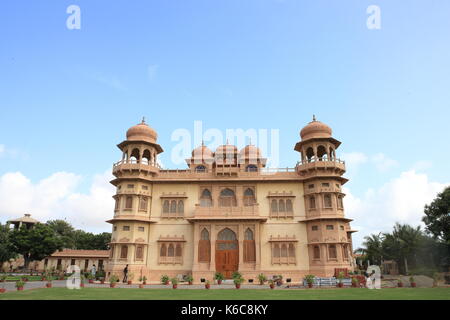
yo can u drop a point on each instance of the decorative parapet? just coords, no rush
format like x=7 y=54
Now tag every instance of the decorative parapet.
x=174 y=195
x=277 y=194
x=285 y=238
x=169 y=238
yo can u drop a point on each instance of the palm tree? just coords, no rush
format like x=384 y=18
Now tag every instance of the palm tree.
x=373 y=247
x=408 y=240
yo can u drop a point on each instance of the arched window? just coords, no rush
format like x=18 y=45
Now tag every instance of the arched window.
x=166 y=206
x=227 y=198
x=284 y=252
x=249 y=197
x=139 y=253
x=129 y=202
x=310 y=154
x=340 y=202
x=289 y=205
x=276 y=251
x=332 y=253
x=124 y=252
x=316 y=254
x=322 y=153
x=163 y=250
x=146 y=157
x=226 y=234
x=274 y=206
x=291 y=250
x=345 y=252
x=327 y=201
x=249 y=246
x=143 y=203
x=206 y=199
x=312 y=202
x=251 y=168
x=200 y=169
x=173 y=206
x=204 y=247
x=178 y=250
x=134 y=157
x=248 y=234
x=281 y=206
x=170 y=250
x=180 y=206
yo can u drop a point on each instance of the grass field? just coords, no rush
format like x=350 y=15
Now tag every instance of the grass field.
x=243 y=294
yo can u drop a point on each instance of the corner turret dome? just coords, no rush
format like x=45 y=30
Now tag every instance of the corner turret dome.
x=142 y=132
x=315 y=129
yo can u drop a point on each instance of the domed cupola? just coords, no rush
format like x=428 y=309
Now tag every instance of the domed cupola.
x=226 y=154
x=315 y=129
x=142 y=132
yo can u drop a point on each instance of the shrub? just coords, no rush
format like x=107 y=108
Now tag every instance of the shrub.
x=262 y=278
x=20 y=283
x=310 y=278
x=113 y=279
x=238 y=280
x=174 y=280
x=164 y=279
x=218 y=276
x=236 y=274
x=189 y=278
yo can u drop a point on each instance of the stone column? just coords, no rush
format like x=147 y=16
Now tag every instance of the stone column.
x=212 y=240
x=241 y=245
x=196 y=239
x=258 y=246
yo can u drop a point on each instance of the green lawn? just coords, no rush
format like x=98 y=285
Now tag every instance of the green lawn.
x=233 y=294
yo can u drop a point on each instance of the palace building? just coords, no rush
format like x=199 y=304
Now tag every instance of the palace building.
x=227 y=212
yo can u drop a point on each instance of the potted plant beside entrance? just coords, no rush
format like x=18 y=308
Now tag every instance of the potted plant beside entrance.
x=310 y=280
x=143 y=280
x=165 y=279
x=207 y=284
x=340 y=277
x=130 y=278
x=262 y=278
x=90 y=278
x=19 y=285
x=238 y=282
x=3 y=278
x=113 y=280
x=174 y=283
x=279 y=280
x=400 y=283
x=271 y=284
x=412 y=282
x=82 y=277
x=218 y=277
x=189 y=279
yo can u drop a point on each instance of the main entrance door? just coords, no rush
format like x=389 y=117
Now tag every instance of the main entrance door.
x=227 y=253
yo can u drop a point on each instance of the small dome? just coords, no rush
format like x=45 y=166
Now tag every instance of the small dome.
x=143 y=132
x=226 y=149
x=202 y=152
x=250 y=152
x=315 y=129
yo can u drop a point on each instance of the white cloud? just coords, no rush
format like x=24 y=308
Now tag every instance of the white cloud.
x=55 y=197
x=401 y=199
x=382 y=162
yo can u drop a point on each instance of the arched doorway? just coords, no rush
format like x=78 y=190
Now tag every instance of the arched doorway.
x=227 y=253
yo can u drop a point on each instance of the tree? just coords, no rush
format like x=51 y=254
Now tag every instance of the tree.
x=35 y=243
x=437 y=216
x=373 y=248
x=64 y=231
x=5 y=245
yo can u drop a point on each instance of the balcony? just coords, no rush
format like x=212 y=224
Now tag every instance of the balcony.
x=133 y=165
x=226 y=213
x=316 y=163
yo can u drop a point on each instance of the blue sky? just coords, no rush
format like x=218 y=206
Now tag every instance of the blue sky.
x=68 y=96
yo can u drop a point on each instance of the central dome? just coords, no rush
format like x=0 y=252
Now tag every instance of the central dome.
x=202 y=152
x=226 y=149
x=250 y=152
x=315 y=129
x=142 y=132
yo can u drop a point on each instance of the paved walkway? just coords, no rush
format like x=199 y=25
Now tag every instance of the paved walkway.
x=11 y=286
